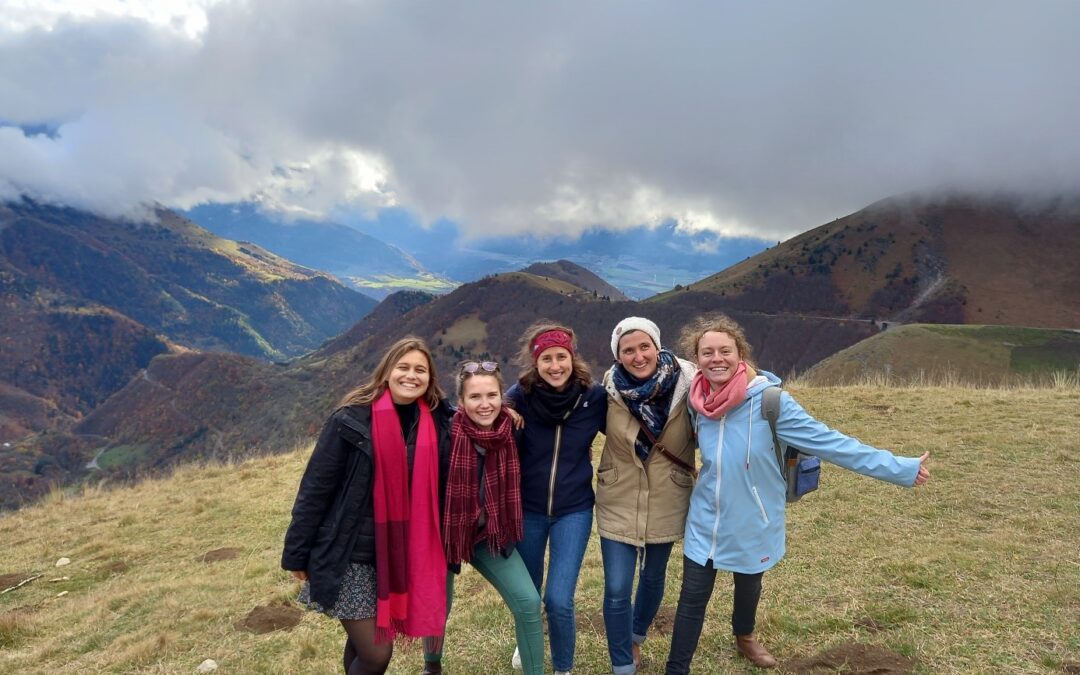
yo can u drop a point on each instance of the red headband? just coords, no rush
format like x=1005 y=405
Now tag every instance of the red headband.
x=549 y=339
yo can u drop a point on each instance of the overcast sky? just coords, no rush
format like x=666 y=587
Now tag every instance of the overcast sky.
x=746 y=118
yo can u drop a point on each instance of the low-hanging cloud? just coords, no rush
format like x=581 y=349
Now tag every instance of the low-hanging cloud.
x=758 y=119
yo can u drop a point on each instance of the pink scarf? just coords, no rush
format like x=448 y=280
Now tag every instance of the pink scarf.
x=715 y=404
x=410 y=566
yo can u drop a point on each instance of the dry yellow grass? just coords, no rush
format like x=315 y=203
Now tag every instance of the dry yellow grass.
x=977 y=572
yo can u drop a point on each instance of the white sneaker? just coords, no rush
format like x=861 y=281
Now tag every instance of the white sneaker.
x=515 y=661
x=562 y=672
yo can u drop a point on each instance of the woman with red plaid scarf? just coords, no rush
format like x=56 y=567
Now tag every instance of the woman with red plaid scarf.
x=482 y=522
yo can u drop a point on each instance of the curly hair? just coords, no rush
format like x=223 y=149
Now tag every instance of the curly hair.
x=714 y=323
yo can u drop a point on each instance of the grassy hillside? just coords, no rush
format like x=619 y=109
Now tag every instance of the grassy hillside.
x=966 y=354
x=977 y=572
x=577 y=275
x=921 y=258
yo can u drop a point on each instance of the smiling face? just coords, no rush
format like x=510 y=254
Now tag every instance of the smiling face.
x=409 y=378
x=637 y=354
x=555 y=366
x=717 y=358
x=481 y=398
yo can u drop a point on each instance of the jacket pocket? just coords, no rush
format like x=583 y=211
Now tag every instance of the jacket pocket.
x=608 y=476
x=761 y=507
x=682 y=478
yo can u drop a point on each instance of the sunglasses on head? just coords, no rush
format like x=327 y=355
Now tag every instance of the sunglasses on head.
x=477 y=366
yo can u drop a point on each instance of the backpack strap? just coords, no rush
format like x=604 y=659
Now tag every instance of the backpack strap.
x=770 y=410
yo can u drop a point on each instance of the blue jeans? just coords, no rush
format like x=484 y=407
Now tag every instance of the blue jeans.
x=624 y=623
x=568 y=536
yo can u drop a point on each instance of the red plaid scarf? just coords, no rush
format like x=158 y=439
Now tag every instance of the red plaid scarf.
x=410 y=568
x=502 y=489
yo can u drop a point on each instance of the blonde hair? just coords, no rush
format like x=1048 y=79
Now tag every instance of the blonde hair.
x=714 y=323
x=529 y=377
x=366 y=393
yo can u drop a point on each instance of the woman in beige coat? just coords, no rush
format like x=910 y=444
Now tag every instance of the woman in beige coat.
x=644 y=481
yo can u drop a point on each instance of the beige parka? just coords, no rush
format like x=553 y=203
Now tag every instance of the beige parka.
x=639 y=502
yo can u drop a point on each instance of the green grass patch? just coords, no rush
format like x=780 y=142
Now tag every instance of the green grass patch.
x=122 y=456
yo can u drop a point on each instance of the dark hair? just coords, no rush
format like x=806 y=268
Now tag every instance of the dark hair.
x=366 y=393
x=463 y=376
x=529 y=377
x=714 y=323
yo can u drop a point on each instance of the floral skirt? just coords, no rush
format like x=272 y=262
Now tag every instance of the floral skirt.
x=356 y=599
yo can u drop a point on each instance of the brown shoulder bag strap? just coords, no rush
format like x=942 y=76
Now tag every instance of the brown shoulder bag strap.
x=659 y=447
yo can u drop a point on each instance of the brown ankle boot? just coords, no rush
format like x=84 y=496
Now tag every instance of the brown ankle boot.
x=754 y=652
x=432 y=667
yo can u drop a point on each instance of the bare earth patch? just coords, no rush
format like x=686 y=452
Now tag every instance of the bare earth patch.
x=9 y=580
x=593 y=621
x=664 y=621
x=853 y=658
x=116 y=567
x=268 y=618
x=220 y=554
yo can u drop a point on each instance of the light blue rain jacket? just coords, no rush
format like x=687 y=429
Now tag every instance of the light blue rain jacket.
x=736 y=517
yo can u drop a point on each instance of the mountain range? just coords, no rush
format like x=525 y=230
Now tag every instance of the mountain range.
x=89 y=301
x=395 y=252
x=800 y=302
x=362 y=261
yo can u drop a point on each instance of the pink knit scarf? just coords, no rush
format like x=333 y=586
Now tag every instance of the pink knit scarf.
x=715 y=404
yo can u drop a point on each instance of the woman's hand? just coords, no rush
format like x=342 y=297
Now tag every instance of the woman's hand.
x=300 y=574
x=515 y=417
x=924 y=472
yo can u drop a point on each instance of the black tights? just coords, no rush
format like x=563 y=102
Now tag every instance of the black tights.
x=363 y=656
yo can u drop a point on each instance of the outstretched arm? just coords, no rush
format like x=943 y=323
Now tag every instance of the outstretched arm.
x=797 y=427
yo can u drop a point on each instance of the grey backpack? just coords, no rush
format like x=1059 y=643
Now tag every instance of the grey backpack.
x=801 y=471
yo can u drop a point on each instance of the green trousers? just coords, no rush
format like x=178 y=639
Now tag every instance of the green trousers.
x=512 y=581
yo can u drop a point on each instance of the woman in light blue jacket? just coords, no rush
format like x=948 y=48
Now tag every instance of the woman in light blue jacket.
x=736 y=519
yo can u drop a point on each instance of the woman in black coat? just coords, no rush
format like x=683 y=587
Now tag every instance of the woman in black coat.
x=380 y=461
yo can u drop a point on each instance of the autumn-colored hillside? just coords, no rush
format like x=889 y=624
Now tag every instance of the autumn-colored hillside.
x=954 y=258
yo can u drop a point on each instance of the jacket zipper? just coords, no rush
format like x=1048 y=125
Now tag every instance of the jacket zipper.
x=554 y=469
x=716 y=490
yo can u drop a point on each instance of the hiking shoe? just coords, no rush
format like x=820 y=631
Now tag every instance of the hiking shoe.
x=754 y=652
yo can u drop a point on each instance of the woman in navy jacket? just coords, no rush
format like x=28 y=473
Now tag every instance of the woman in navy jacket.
x=563 y=411
x=331 y=543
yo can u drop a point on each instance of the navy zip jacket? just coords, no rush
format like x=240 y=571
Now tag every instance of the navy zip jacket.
x=556 y=461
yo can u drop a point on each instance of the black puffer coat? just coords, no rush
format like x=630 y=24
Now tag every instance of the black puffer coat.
x=333 y=519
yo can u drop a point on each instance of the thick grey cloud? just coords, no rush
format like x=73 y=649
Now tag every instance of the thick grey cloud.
x=761 y=118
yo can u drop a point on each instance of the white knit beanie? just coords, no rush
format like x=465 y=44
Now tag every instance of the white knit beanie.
x=630 y=324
